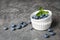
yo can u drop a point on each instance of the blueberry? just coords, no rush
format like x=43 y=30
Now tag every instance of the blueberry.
x=13 y=29
x=13 y=25
x=18 y=27
x=50 y=30
x=33 y=17
x=36 y=17
x=23 y=26
x=5 y=28
x=46 y=15
x=42 y=16
x=21 y=22
x=46 y=36
x=52 y=33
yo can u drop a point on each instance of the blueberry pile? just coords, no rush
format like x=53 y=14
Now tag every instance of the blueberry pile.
x=51 y=33
x=13 y=27
x=39 y=17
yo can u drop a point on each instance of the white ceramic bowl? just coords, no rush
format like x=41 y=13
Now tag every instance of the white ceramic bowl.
x=41 y=24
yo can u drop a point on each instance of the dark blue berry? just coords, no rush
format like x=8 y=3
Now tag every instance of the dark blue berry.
x=42 y=16
x=13 y=29
x=21 y=22
x=5 y=28
x=18 y=27
x=13 y=25
x=50 y=30
x=36 y=17
x=33 y=17
x=46 y=36
x=52 y=33
x=46 y=15
x=24 y=25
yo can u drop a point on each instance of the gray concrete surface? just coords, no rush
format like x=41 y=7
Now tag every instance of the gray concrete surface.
x=16 y=11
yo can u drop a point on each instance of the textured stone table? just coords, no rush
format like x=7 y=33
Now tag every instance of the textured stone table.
x=16 y=11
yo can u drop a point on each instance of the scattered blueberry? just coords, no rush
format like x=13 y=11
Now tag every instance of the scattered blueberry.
x=5 y=28
x=50 y=30
x=46 y=36
x=24 y=25
x=13 y=25
x=52 y=33
x=21 y=22
x=13 y=29
x=18 y=27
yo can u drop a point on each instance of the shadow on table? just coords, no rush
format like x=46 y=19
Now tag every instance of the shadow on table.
x=54 y=23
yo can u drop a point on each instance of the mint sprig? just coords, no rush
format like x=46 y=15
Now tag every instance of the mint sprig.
x=41 y=12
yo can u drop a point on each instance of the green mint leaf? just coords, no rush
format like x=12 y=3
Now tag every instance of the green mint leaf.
x=38 y=14
x=40 y=8
x=41 y=12
x=46 y=12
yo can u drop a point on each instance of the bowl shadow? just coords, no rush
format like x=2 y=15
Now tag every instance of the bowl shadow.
x=54 y=23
